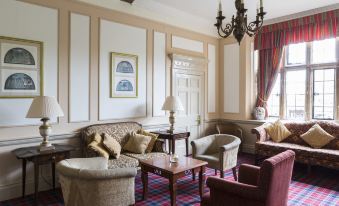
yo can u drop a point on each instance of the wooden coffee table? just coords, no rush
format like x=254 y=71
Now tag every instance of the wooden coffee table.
x=172 y=171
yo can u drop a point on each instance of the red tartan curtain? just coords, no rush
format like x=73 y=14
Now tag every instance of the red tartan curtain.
x=270 y=42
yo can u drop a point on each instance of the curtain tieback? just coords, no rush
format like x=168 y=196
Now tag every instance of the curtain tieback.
x=262 y=100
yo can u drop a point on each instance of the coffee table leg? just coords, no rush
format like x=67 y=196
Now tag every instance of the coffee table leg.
x=173 y=190
x=201 y=180
x=23 y=177
x=144 y=177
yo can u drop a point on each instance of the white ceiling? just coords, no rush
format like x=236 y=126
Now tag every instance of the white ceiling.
x=199 y=15
x=274 y=8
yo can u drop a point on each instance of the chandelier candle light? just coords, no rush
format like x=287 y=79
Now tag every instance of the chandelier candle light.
x=238 y=25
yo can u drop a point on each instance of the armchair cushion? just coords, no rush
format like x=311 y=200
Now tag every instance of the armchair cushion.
x=212 y=159
x=248 y=174
x=235 y=188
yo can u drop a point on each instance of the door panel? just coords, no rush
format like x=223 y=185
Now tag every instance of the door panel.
x=189 y=88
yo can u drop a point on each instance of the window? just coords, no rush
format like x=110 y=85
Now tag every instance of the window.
x=295 y=94
x=306 y=86
x=273 y=102
x=323 y=51
x=323 y=94
x=296 y=54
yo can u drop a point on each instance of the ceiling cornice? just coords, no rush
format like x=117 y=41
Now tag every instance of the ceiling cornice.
x=301 y=14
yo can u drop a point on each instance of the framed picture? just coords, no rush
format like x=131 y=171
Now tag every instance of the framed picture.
x=124 y=75
x=21 y=72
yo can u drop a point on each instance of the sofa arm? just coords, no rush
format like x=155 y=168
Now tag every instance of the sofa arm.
x=118 y=173
x=248 y=174
x=159 y=146
x=234 y=188
x=261 y=133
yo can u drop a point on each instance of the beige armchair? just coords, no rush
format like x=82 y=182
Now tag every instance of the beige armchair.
x=88 y=182
x=232 y=129
x=219 y=150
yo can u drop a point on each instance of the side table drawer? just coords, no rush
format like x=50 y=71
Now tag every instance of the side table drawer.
x=45 y=159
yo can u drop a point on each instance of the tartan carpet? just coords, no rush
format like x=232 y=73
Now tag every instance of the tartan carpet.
x=320 y=187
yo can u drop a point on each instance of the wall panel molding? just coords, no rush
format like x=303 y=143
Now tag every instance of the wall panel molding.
x=231 y=78
x=159 y=73
x=79 y=75
x=187 y=44
x=116 y=37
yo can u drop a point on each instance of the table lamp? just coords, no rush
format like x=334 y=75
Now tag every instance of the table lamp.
x=172 y=104
x=45 y=107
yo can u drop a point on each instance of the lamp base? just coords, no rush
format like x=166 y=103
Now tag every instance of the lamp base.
x=45 y=130
x=46 y=146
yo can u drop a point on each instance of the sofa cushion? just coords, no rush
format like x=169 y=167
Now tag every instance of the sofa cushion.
x=316 y=137
x=277 y=131
x=123 y=162
x=300 y=150
x=146 y=156
x=137 y=143
x=299 y=128
x=112 y=146
x=118 y=131
x=97 y=146
x=153 y=140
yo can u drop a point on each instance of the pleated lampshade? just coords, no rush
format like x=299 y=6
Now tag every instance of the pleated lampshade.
x=172 y=103
x=44 y=107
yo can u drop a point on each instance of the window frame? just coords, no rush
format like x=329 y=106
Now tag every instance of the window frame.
x=309 y=67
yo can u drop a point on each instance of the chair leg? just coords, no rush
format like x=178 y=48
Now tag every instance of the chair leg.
x=256 y=160
x=234 y=170
x=222 y=174
x=193 y=175
x=215 y=172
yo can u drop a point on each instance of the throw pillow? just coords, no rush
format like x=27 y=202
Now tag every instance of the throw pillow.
x=112 y=146
x=137 y=143
x=153 y=140
x=316 y=137
x=97 y=146
x=277 y=131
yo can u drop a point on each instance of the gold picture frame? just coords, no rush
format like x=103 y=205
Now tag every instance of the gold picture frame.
x=123 y=75
x=21 y=68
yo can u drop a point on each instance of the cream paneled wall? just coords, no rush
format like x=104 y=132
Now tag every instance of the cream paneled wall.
x=126 y=39
x=78 y=39
x=79 y=73
x=20 y=20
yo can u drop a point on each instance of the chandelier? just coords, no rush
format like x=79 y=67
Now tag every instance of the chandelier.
x=238 y=25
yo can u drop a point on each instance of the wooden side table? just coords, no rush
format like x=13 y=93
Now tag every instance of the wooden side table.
x=172 y=137
x=39 y=158
x=172 y=171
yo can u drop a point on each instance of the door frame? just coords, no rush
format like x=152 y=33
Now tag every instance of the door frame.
x=190 y=65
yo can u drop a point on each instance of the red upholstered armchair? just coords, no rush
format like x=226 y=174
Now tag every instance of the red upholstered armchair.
x=266 y=186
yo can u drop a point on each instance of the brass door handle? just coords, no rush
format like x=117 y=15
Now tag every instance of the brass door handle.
x=198 y=119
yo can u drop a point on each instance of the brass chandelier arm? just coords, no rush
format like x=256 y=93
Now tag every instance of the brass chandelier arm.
x=238 y=25
x=226 y=31
x=254 y=27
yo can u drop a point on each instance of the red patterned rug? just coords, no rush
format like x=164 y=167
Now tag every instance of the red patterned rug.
x=321 y=187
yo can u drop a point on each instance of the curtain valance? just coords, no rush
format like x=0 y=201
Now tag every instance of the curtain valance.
x=316 y=27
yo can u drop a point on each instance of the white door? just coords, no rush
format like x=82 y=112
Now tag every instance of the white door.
x=189 y=86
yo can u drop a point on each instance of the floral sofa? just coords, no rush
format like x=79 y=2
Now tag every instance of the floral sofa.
x=328 y=156
x=120 y=131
